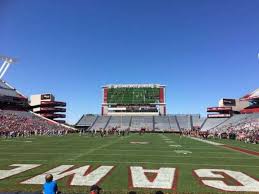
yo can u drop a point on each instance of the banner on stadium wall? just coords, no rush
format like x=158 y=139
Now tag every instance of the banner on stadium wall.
x=219 y=115
x=216 y=109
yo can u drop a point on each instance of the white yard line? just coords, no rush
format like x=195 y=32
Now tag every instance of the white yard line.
x=175 y=145
x=98 y=148
x=205 y=141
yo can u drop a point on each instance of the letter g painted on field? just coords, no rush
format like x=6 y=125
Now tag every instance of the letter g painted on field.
x=247 y=184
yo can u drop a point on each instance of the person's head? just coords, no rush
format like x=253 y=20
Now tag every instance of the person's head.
x=49 y=178
x=159 y=192
x=95 y=189
x=132 y=192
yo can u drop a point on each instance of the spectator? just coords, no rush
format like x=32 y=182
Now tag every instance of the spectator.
x=246 y=130
x=50 y=186
x=95 y=189
x=159 y=192
x=24 y=124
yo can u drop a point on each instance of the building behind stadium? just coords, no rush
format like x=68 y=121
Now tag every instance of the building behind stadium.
x=47 y=106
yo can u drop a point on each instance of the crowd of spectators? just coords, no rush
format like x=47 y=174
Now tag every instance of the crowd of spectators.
x=246 y=130
x=25 y=124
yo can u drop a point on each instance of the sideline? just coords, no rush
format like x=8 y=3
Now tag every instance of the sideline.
x=205 y=141
x=229 y=147
x=246 y=151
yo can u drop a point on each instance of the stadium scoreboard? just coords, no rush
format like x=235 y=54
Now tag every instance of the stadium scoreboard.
x=134 y=99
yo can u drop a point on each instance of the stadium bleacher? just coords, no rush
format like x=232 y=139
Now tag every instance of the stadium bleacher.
x=119 y=121
x=138 y=122
x=17 y=120
x=173 y=123
x=223 y=123
x=235 y=120
x=162 y=123
x=168 y=123
x=212 y=122
x=184 y=121
x=86 y=120
x=100 y=123
x=243 y=127
x=14 y=122
x=7 y=90
x=3 y=85
x=197 y=121
x=10 y=98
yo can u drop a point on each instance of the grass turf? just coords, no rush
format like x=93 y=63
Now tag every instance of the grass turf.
x=118 y=151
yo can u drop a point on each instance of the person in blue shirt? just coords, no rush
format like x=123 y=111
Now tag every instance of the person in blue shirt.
x=50 y=186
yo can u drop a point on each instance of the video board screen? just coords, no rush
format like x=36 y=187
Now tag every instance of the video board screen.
x=133 y=95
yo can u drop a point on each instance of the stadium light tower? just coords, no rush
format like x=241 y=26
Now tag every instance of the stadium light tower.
x=7 y=62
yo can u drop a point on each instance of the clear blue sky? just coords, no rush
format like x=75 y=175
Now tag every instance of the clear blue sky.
x=202 y=50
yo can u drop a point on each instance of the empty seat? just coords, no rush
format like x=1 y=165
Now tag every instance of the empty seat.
x=139 y=122
x=121 y=122
x=100 y=122
x=173 y=123
x=212 y=123
x=86 y=121
x=162 y=123
x=197 y=120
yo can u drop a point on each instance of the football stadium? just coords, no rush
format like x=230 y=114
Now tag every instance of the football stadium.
x=129 y=97
x=133 y=145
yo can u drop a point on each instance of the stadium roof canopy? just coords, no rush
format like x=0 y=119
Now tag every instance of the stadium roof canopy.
x=251 y=96
x=7 y=90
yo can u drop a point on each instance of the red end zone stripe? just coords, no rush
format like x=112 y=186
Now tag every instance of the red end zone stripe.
x=242 y=150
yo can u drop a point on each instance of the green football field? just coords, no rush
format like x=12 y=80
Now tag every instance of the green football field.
x=157 y=151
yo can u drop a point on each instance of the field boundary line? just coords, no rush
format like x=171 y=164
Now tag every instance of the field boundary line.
x=206 y=141
x=228 y=147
